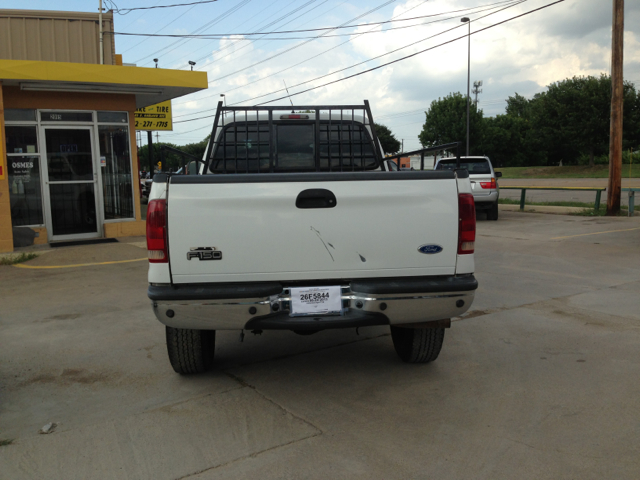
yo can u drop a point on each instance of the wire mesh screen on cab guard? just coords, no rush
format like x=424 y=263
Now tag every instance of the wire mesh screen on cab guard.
x=277 y=139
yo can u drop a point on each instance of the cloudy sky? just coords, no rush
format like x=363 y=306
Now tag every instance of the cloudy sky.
x=523 y=55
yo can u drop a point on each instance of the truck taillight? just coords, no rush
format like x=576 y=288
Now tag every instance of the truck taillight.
x=466 y=223
x=492 y=184
x=157 y=231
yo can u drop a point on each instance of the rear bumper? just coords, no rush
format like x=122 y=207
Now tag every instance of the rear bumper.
x=265 y=306
x=485 y=201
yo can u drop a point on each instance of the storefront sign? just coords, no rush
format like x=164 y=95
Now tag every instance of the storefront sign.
x=69 y=148
x=20 y=168
x=154 y=117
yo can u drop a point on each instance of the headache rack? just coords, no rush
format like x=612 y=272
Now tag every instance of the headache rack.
x=340 y=138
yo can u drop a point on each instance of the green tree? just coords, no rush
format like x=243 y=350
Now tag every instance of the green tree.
x=510 y=140
x=389 y=142
x=503 y=140
x=446 y=122
x=574 y=116
x=196 y=149
x=171 y=161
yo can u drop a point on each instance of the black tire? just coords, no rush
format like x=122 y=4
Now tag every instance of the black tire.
x=190 y=351
x=417 y=345
x=492 y=213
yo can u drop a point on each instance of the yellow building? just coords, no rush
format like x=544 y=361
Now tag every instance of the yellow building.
x=68 y=159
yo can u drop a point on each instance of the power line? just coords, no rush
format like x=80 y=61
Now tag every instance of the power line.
x=395 y=61
x=513 y=2
x=231 y=44
x=134 y=18
x=160 y=29
x=298 y=45
x=216 y=36
x=212 y=22
x=406 y=113
x=417 y=53
x=194 y=130
x=516 y=2
x=235 y=41
x=197 y=37
x=129 y=10
x=404 y=124
x=292 y=66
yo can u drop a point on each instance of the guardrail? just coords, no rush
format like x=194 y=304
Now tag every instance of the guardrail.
x=524 y=189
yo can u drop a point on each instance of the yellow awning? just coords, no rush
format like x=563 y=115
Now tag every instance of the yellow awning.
x=149 y=85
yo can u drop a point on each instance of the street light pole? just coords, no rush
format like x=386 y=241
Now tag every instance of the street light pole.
x=466 y=20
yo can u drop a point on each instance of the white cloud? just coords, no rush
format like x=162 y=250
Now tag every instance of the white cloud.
x=525 y=55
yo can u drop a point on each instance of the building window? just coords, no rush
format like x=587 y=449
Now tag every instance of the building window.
x=112 y=117
x=19 y=115
x=25 y=190
x=21 y=140
x=115 y=163
x=64 y=116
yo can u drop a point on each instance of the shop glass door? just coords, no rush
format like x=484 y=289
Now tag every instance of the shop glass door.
x=72 y=183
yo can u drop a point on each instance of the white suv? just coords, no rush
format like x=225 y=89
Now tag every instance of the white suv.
x=484 y=181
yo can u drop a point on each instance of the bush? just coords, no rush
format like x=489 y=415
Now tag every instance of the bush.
x=627 y=157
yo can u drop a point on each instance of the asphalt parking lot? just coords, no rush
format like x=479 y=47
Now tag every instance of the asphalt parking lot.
x=540 y=380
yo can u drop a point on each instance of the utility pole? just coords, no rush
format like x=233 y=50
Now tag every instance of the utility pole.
x=101 y=35
x=617 y=96
x=150 y=144
x=476 y=90
x=468 y=21
x=402 y=150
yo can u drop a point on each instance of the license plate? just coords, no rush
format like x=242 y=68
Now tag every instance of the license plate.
x=316 y=300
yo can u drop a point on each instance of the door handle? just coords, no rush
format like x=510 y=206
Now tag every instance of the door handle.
x=316 y=198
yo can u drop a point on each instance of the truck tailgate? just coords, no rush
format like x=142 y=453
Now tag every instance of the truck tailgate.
x=378 y=223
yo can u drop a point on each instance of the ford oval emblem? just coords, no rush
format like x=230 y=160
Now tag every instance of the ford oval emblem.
x=430 y=249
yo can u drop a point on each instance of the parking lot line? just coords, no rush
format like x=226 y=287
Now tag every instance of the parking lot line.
x=596 y=233
x=79 y=264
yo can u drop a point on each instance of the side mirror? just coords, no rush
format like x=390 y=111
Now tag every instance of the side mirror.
x=498 y=174
x=192 y=168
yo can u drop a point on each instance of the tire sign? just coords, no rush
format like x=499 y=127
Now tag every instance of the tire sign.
x=154 y=117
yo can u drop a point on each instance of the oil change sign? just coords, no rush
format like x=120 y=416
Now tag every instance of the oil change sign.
x=154 y=117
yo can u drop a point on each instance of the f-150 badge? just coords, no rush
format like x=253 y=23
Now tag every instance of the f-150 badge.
x=430 y=249
x=204 y=253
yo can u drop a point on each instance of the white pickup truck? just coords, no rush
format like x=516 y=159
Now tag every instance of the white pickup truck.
x=293 y=223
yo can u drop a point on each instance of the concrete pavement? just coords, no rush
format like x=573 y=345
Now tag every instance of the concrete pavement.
x=538 y=381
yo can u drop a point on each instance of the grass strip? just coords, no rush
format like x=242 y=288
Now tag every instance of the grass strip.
x=569 y=171
x=13 y=259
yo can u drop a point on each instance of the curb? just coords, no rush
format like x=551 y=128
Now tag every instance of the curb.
x=549 y=209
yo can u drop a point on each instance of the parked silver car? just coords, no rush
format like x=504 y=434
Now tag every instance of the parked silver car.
x=484 y=181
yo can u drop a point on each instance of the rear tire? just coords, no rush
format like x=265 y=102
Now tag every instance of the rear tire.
x=417 y=345
x=190 y=351
x=492 y=213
